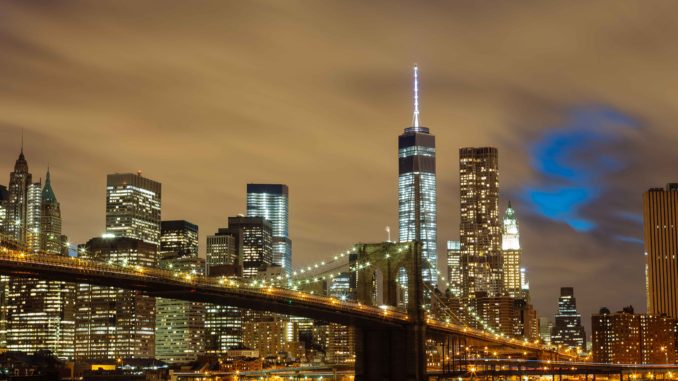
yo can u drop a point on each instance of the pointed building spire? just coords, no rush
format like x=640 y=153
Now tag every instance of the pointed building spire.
x=415 y=117
x=22 y=141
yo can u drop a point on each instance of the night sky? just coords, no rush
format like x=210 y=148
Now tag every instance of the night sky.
x=581 y=98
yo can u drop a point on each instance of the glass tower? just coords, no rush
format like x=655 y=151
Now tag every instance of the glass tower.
x=270 y=201
x=417 y=189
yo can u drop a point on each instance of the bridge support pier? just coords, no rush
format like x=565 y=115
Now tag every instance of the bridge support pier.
x=391 y=354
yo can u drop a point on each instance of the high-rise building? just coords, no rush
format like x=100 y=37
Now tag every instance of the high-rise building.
x=454 y=274
x=180 y=325
x=19 y=181
x=223 y=324
x=628 y=338
x=4 y=198
x=256 y=243
x=111 y=322
x=33 y=209
x=40 y=313
x=480 y=230
x=133 y=207
x=660 y=228
x=50 y=221
x=567 y=329
x=511 y=252
x=417 y=199
x=270 y=201
x=545 y=326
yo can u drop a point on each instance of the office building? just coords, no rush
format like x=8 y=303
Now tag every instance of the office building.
x=180 y=325
x=454 y=275
x=33 y=209
x=417 y=199
x=545 y=326
x=256 y=243
x=19 y=181
x=511 y=255
x=567 y=329
x=4 y=199
x=133 y=207
x=223 y=324
x=51 y=239
x=270 y=201
x=110 y=322
x=627 y=338
x=660 y=233
x=480 y=230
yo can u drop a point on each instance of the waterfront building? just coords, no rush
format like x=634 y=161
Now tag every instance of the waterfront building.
x=660 y=233
x=627 y=338
x=417 y=198
x=480 y=230
x=133 y=207
x=180 y=325
x=270 y=201
x=567 y=328
x=111 y=322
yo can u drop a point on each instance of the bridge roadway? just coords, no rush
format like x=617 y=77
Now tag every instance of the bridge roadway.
x=224 y=291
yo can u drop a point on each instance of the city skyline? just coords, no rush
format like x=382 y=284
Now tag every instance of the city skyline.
x=591 y=110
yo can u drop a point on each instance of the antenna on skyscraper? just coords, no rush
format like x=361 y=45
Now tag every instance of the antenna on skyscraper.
x=388 y=234
x=22 y=140
x=415 y=117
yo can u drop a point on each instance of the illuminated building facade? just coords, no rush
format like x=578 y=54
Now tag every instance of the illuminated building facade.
x=270 y=201
x=628 y=338
x=480 y=230
x=180 y=325
x=567 y=329
x=133 y=207
x=660 y=233
x=417 y=199
x=454 y=275
x=340 y=347
x=39 y=314
x=223 y=324
x=4 y=198
x=256 y=243
x=511 y=253
x=111 y=322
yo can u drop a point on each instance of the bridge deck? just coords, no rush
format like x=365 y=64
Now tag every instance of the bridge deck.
x=224 y=291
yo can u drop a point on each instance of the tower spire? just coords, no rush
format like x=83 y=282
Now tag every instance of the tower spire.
x=415 y=117
x=22 y=140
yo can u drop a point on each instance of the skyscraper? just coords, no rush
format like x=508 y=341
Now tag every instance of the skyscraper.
x=133 y=207
x=4 y=198
x=50 y=220
x=511 y=252
x=180 y=325
x=567 y=329
x=480 y=230
x=417 y=189
x=271 y=202
x=256 y=243
x=19 y=181
x=660 y=228
x=454 y=267
x=112 y=322
x=40 y=313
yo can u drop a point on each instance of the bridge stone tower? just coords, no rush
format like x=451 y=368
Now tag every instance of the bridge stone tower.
x=391 y=352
